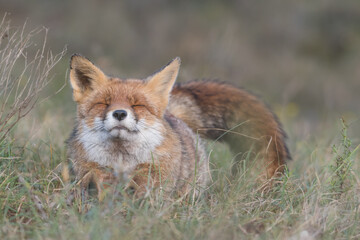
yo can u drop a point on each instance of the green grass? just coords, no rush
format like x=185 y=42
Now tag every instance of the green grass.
x=307 y=201
x=291 y=53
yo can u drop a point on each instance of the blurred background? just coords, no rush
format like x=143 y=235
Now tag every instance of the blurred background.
x=301 y=57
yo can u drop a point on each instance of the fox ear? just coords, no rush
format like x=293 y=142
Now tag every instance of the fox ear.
x=84 y=76
x=161 y=83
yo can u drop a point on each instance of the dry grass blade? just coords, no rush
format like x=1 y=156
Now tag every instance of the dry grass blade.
x=24 y=72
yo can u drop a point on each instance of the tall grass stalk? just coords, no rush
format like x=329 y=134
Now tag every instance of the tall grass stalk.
x=25 y=70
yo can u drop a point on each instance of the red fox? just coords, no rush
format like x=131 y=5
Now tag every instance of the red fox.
x=146 y=130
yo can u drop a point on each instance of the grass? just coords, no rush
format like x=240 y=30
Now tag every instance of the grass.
x=318 y=197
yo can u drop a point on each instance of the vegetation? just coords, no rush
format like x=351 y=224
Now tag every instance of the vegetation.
x=297 y=55
x=23 y=74
x=312 y=200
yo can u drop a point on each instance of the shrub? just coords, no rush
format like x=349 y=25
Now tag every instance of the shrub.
x=25 y=66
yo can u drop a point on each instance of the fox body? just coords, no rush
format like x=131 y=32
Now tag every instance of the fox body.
x=220 y=111
x=146 y=131
x=124 y=129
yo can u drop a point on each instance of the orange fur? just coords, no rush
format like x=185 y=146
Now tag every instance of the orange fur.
x=147 y=137
x=223 y=107
x=156 y=141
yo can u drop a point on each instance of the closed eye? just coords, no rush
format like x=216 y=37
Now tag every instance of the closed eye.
x=100 y=104
x=138 y=105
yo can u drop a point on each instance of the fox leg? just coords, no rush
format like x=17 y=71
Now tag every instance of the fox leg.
x=101 y=178
x=145 y=177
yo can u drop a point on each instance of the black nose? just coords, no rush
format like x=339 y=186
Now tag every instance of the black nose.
x=120 y=114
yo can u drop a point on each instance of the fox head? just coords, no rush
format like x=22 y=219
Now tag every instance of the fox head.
x=124 y=109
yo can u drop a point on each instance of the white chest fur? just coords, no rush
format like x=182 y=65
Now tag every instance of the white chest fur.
x=125 y=154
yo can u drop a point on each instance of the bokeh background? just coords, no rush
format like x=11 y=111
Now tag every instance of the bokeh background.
x=301 y=57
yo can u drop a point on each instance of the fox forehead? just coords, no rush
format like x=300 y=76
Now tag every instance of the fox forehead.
x=119 y=90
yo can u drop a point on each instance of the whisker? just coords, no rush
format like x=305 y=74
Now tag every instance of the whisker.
x=148 y=127
x=146 y=141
